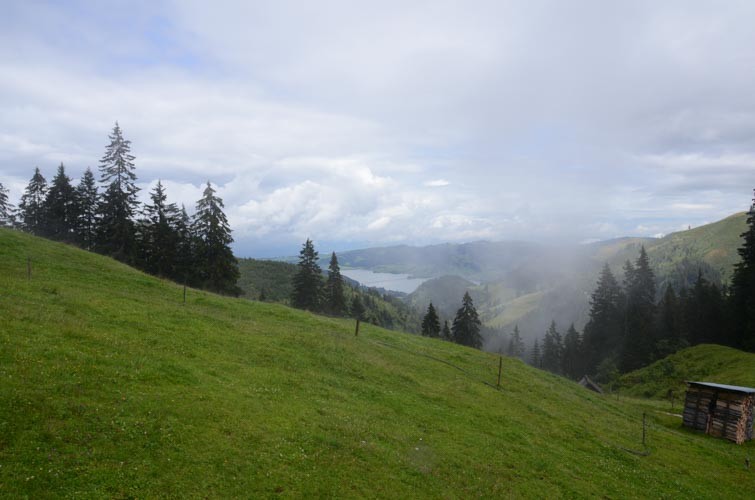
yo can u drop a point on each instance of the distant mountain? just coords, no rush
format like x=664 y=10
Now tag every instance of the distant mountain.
x=530 y=284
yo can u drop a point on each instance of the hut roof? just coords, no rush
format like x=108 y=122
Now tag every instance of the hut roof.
x=588 y=383
x=732 y=388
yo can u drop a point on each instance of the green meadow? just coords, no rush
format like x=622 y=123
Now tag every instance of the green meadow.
x=112 y=386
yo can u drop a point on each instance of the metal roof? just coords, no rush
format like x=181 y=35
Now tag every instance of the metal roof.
x=734 y=388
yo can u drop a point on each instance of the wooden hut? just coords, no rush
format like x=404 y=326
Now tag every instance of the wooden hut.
x=720 y=410
x=589 y=384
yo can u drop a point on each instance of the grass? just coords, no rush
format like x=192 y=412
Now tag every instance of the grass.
x=110 y=386
x=707 y=363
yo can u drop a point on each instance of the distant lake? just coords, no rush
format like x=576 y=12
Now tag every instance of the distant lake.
x=389 y=281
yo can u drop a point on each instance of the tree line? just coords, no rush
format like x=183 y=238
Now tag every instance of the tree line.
x=464 y=330
x=631 y=324
x=157 y=237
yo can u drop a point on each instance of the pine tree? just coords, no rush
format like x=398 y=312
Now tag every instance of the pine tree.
x=431 y=322
x=87 y=200
x=743 y=288
x=118 y=205
x=158 y=239
x=307 y=280
x=6 y=209
x=572 y=360
x=446 y=332
x=536 y=356
x=669 y=328
x=603 y=335
x=516 y=344
x=639 y=339
x=61 y=208
x=334 y=295
x=32 y=206
x=217 y=268
x=466 y=325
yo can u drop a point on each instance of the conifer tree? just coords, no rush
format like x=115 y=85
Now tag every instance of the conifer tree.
x=431 y=322
x=603 y=334
x=61 y=208
x=446 y=332
x=118 y=205
x=572 y=360
x=87 y=200
x=516 y=344
x=32 y=206
x=552 y=349
x=743 y=288
x=639 y=339
x=217 y=268
x=466 y=325
x=6 y=208
x=307 y=280
x=157 y=234
x=536 y=356
x=670 y=330
x=334 y=295
x=183 y=268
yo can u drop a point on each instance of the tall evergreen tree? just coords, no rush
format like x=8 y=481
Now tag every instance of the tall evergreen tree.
x=639 y=338
x=307 y=280
x=334 y=295
x=466 y=325
x=357 y=307
x=670 y=332
x=431 y=322
x=158 y=239
x=184 y=270
x=87 y=200
x=516 y=344
x=61 y=208
x=572 y=359
x=118 y=205
x=32 y=206
x=604 y=329
x=218 y=269
x=743 y=287
x=552 y=349
x=446 y=332
x=536 y=356
x=6 y=208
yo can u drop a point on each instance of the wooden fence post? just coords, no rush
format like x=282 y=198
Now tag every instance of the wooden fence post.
x=500 y=367
x=28 y=268
x=356 y=330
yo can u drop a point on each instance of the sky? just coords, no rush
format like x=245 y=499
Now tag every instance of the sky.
x=373 y=123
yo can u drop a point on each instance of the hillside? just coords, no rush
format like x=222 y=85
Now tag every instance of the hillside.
x=113 y=387
x=709 y=363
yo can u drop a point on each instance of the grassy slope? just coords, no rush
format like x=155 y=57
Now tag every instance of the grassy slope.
x=708 y=363
x=110 y=386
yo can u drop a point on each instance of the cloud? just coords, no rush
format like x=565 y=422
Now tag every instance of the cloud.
x=437 y=183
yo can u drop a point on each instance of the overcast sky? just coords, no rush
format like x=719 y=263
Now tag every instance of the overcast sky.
x=361 y=123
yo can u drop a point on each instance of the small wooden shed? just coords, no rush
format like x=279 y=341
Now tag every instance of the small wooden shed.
x=720 y=410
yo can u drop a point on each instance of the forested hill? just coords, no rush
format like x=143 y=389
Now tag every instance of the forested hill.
x=113 y=386
x=532 y=284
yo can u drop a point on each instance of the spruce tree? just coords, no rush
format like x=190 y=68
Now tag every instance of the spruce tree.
x=87 y=200
x=603 y=334
x=536 y=355
x=670 y=332
x=357 y=307
x=572 y=360
x=307 y=280
x=61 y=208
x=184 y=270
x=32 y=206
x=743 y=288
x=431 y=322
x=334 y=295
x=217 y=268
x=516 y=344
x=446 y=332
x=552 y=349
x=158 y=239
x=639 y=338
x=466 y=324
x=6 y=208
x=118 y=205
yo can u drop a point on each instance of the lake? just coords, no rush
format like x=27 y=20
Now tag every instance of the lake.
x=389 y=281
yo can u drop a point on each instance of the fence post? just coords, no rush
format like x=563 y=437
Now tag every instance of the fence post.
x=356 y=330
x=643 y=428
x=28 y=268
x=500 y=366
